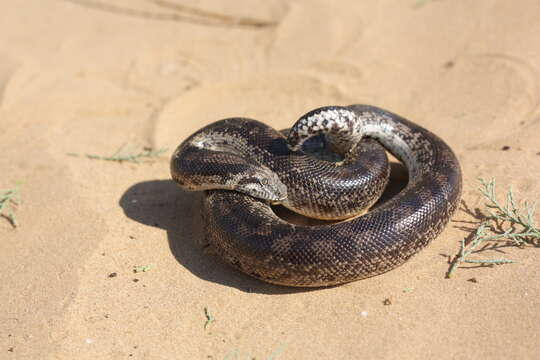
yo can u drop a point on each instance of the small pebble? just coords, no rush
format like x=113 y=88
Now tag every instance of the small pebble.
x=387 y=301
x=111 y=275
x=505 y=148
x=364 y=313
x=473 y=280
x=449 y=64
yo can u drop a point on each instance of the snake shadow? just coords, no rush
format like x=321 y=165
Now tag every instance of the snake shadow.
x=162 y=204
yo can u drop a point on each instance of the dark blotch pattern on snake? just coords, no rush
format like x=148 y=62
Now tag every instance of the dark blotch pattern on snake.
x=244 y=165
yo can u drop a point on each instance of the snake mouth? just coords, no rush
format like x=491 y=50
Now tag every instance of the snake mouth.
x=277 y=202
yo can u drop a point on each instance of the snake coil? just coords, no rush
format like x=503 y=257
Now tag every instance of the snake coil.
x=244 y=166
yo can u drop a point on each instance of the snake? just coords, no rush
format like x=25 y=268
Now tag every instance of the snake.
x=245 y=167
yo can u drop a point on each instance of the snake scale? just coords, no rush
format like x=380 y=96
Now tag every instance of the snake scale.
x=244 y=166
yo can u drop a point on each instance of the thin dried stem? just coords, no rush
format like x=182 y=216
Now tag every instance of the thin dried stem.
x=122 y=155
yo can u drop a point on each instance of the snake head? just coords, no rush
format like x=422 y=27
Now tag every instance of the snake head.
x=262 y=184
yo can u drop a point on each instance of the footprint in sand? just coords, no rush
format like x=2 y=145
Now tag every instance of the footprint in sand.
x=277 y=100
x=484 y=97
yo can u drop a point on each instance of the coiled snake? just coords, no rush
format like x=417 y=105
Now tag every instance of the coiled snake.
x=244 y=165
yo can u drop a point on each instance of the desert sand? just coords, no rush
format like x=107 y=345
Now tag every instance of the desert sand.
x=86 y=76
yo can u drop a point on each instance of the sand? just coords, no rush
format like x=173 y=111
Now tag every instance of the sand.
x=80 y=76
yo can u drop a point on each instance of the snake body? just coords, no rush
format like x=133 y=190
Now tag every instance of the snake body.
x=261 y=166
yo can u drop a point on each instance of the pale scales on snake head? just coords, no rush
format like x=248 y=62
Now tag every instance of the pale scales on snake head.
x=244 y=165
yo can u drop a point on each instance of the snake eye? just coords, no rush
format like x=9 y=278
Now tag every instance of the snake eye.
x=264 y=181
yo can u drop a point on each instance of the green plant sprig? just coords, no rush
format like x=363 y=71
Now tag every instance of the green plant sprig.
x=9 y=200
x=209 y=318
x=419 y=3
x=509 y=223
x=142 y=268
x=121 y=155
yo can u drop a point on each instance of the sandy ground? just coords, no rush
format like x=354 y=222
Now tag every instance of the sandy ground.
x=80 y=76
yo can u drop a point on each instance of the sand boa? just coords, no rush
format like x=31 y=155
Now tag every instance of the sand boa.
x=263 y=166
